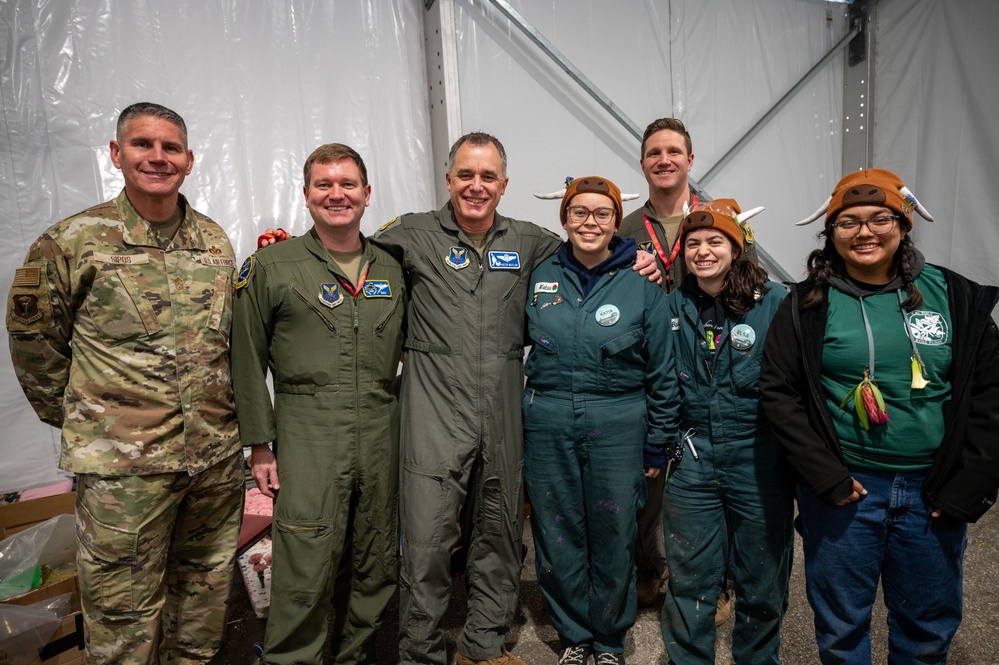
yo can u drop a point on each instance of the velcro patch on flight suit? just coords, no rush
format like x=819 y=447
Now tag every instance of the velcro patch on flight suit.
x=244 y=272
x=29 y=303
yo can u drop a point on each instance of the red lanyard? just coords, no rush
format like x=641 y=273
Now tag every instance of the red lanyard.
x=360 y=283
x=667 y=260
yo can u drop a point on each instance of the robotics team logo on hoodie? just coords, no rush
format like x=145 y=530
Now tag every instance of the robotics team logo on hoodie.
x=928 y=328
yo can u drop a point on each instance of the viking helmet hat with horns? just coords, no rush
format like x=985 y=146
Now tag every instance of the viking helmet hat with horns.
x=725 y=215
x=870 y=187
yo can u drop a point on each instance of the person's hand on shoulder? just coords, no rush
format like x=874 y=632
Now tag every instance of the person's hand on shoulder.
x=271 y=237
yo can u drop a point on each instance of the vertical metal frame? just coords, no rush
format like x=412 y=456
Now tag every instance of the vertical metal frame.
x=443 y=87
x=858 y=90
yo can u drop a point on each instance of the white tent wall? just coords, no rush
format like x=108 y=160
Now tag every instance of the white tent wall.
x=715 y=64
x=262 y=84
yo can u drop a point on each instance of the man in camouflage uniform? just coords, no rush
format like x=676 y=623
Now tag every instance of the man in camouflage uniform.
x=324 y=312
x=119 y=334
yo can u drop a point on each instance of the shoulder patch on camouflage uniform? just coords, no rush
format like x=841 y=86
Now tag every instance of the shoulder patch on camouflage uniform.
x=244 y=272
x=27 y=276
x=29 y=304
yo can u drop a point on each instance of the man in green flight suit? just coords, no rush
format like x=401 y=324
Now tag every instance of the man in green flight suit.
x=119 y=333
x=462 y=443
x=324 y=313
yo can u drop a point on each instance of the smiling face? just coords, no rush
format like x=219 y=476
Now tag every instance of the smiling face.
x=476 y=182
x=868 y=257
x=589 y=238
x=709 y=254
x=666 y=162
x=336 y=198
x=154 y=160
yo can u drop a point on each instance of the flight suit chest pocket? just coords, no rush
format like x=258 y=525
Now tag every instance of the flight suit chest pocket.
x=620 y=359
x=120 y=311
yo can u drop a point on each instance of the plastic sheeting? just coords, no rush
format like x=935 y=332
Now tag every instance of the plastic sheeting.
x=262 y=84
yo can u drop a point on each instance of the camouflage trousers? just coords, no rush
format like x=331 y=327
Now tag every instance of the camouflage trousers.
x=155 y=557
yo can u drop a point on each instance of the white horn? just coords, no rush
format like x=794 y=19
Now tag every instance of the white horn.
x=553 y=195
x=744 y=217
x=629 y=197
x=815 y=215
x=686 y=209
x=914 y=204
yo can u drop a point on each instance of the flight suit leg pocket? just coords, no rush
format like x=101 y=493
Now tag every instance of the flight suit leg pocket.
x=428 y=489
x=302 y=558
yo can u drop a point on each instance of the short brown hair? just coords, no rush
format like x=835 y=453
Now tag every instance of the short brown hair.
x=667 y=123
x=334 y=152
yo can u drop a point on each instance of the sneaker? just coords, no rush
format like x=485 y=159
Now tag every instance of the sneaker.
x=724 y=610
x=506 y=659
x=605 y=658
x=577 y=655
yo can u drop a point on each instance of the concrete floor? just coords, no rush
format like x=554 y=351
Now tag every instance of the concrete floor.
x=533 y=639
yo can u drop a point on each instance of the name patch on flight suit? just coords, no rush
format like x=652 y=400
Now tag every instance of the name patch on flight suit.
x=377 y=288
x=244 y=272
x=504 y=260
x=329 y=294
x=457 y=258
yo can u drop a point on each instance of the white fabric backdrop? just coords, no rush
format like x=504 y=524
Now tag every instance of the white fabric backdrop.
x=262 y=84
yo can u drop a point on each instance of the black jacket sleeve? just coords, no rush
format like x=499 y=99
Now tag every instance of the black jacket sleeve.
x=972 y=489
x=794 y=413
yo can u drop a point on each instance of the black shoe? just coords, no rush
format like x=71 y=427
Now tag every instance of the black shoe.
x=577 y=655
x=606 y=658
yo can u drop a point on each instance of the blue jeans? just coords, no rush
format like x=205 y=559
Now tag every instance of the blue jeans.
x=887 y=535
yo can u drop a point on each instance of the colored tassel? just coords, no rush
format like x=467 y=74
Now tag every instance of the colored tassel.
x=868 y=402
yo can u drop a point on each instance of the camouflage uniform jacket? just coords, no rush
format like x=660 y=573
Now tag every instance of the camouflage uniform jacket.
x=125 y=345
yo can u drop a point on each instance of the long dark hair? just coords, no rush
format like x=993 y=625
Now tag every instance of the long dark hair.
x=825 y=262
x=744 y=283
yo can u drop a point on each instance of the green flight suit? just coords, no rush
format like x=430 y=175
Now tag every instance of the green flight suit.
x=462 y=432
x=332 y=357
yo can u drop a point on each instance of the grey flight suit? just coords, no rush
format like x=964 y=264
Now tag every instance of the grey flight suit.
x=333 y=357
x=462 y=433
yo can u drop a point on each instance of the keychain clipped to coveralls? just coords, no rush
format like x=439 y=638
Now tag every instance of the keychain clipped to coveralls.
x=674 y=453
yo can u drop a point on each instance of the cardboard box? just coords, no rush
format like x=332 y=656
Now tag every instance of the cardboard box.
x=66 y=645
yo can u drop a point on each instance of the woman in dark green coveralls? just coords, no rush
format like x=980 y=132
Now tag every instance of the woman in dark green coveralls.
x=727 y=494
x=595 y=396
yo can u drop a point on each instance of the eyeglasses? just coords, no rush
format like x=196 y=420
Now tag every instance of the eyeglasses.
x=579 y=214
x=849 y=228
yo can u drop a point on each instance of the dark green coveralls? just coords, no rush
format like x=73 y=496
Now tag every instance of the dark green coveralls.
x=462 y=433
x=333 y=358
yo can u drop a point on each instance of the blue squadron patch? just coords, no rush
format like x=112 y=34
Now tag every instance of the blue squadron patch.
x=505 y=260
x=377 y=288
x=645 y=246
x=329 y=294
x=244 y=272
x=457 y=258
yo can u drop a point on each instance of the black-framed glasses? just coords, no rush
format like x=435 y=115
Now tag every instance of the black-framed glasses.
x=849 y=228
x=579 y=214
